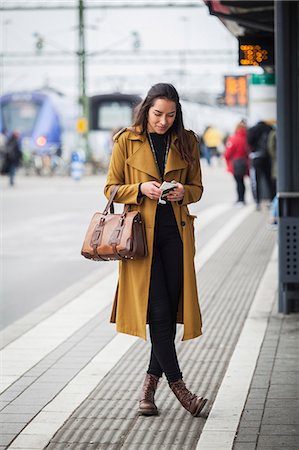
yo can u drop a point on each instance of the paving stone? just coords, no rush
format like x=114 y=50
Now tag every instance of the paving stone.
x=266 y=371
x=258 y=393
x=10 y=394
x=281 y=429
x=151 y=446
x=279 y=404
x=283 y=378
x=244 y=436
x=255 y=403
x=66 y=445
x=12 y=428
x=286 y=365
x=260 y=381
x=20 y=384
x=288 y=345
x=89 y=432
x=289 y=447
x=265 y=366
x=5 y=439
x=254 y=429
x=13 y=418
x=159 y=438
x=146 y=446
x=244 y=446
x=284 y=391
x=282 y=416
x=30 y=409
x=268 y=352
x=278 y=441
x=252 y=414
x=3 y=405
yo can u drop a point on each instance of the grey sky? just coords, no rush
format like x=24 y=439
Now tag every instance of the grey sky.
x=167 y=29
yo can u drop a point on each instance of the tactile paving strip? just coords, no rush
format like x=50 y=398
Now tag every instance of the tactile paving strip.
x=227 y=285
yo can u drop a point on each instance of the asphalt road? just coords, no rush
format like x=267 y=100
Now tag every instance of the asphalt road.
x=42 y=229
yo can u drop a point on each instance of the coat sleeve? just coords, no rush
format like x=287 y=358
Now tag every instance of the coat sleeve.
x=127 y=193
x=229 y=149
x=193 y=186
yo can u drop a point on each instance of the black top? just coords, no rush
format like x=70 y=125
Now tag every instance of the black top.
x=164 y=214
x=160 y=143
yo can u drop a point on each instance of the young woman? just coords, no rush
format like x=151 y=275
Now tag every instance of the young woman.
x=160 y=289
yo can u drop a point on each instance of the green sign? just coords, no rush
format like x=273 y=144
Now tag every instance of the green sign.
x=264 y=78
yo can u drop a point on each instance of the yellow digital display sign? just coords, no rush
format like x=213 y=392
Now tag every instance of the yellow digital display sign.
x=236 y=92
x=254 y=55
x=256 y=52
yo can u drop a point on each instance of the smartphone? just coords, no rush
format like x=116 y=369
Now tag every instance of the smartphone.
x=166 y=191
x=166 y=187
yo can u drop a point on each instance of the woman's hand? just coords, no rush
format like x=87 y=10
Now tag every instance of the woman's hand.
x=177 y=194
x=151 y=189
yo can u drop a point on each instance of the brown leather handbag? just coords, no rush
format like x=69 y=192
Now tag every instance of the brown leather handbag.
x=115 y=236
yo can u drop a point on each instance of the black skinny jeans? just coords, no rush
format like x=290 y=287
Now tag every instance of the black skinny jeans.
x=240 y=187
x=164 y=295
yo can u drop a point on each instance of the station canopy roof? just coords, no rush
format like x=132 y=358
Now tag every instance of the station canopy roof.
x=245 y=18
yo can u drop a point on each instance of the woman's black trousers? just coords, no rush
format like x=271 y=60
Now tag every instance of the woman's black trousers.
x=164 y=295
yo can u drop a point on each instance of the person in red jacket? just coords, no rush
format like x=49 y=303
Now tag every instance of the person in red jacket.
x=236 y=156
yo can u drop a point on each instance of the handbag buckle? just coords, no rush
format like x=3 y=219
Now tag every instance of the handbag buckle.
x=96 y=236
x=115 y=236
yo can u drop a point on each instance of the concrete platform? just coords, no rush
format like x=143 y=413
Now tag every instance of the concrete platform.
x=70 y=382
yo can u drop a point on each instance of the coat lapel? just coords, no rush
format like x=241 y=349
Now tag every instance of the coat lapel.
x=142 y=159
x=174 y=161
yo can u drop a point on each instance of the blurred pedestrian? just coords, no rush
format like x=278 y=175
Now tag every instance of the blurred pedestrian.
x=212 y=140
x=236 y=156
x=257 y=138
x=77 y=164
x=3 y=141
x=12 y=157
x=272 y=152
x=161 y=288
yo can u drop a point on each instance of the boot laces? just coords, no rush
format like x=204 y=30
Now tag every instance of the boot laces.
x=149 y=387
x=186 y=396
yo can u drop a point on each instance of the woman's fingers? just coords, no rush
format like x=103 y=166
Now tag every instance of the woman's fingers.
x=177 y=194
x=151 y=189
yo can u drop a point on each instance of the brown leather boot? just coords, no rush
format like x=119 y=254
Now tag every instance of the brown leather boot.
x=147 y=405
x=189 y=401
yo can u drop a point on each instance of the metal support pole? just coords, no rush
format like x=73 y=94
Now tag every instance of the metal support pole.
x=83 y=100
x=287 y=64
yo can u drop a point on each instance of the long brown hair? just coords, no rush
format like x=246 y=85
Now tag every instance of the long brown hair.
x=168 y=92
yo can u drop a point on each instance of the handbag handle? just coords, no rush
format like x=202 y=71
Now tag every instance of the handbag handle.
x=111 y=206
x=110 y=201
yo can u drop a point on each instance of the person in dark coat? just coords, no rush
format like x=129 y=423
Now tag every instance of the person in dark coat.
x=236 y=156
x=12 y=157
x=257 y=138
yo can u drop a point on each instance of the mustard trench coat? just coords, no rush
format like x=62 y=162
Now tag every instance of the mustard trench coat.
x=132 y=163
